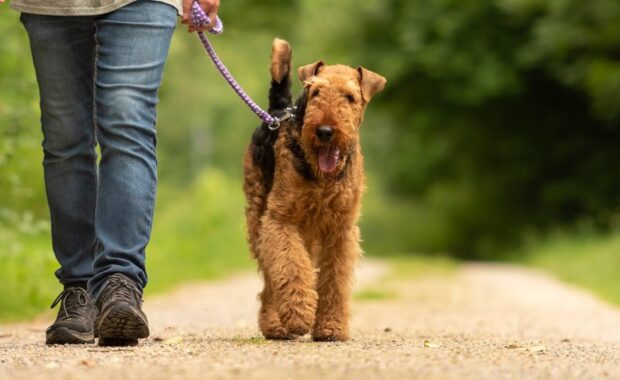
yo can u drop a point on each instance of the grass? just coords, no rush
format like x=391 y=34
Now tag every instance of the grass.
x=419 y=266
x=198 y=234
x=406 y=268
x=375 y=294
x=253 y=341
x=586 y=259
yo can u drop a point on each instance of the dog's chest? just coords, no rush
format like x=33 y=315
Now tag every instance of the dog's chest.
x=324 y=210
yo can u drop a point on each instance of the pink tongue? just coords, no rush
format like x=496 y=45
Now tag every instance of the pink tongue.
x=328 y=159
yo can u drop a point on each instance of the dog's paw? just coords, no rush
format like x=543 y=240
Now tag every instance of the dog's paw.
x=297 y=313
x=270 y=325
x=329 y=334
x=326 y=336
x=297 y=321
x=277 y=333
x=295 y=324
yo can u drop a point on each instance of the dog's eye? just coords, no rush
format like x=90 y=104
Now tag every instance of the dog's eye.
x=350 y=98
x=315 y=93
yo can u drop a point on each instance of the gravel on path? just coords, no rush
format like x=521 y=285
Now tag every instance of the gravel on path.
x=486 y=321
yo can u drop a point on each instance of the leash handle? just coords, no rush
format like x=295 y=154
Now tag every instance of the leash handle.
x=199 y=18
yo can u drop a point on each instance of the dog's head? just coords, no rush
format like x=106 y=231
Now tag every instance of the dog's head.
x=336 y=98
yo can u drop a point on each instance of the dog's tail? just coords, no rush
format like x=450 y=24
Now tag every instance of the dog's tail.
x=280 y=92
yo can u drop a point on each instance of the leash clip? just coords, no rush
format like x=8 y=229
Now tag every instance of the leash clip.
x=274 y=125
x=289 y=113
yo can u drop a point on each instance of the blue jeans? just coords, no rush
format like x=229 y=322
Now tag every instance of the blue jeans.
x=98 y=79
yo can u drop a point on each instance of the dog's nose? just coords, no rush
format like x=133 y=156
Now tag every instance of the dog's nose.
x=324 y=133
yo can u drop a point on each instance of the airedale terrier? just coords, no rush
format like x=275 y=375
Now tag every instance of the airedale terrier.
x=303 y=186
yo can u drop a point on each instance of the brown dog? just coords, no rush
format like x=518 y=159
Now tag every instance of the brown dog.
x=303 y=185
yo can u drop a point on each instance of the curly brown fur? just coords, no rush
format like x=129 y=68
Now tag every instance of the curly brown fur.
x=303 y=190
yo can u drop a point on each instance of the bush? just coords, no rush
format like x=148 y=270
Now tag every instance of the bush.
x=499 y=116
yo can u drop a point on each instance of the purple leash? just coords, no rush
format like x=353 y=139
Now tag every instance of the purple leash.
x=199 y=18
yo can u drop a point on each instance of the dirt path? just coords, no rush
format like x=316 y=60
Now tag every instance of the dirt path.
x=485 y=321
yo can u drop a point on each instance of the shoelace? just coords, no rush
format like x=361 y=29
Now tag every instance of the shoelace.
x=125 y=290
x=68 y=302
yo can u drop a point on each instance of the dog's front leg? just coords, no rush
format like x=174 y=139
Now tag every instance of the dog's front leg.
x=268 y=318
x=289 y=270
x=336 y=264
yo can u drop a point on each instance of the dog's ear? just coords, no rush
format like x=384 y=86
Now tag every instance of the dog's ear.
x=370 y=82
x=307 y=71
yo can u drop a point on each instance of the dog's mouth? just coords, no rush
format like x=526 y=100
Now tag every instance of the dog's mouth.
x=329 y=156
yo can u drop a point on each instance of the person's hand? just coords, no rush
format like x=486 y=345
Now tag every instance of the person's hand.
x=209 y=6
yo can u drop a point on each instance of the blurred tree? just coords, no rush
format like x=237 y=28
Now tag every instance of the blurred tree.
x=504 y=113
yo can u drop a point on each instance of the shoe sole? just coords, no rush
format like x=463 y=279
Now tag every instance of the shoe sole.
x=121 y=325
x=63 y=335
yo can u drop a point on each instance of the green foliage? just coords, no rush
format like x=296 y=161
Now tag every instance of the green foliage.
x=502 y=115
x=27 y=285
x=199 y=234
x=20 y=168
x=585 y=258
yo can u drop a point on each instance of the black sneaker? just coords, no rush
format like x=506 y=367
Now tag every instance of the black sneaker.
x=75 y=320
x=121 y=321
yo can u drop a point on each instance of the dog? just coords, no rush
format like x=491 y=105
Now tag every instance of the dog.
x=303 y=184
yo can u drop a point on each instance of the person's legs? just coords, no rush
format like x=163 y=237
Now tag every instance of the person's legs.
x=63 y=51
x=132 y=46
